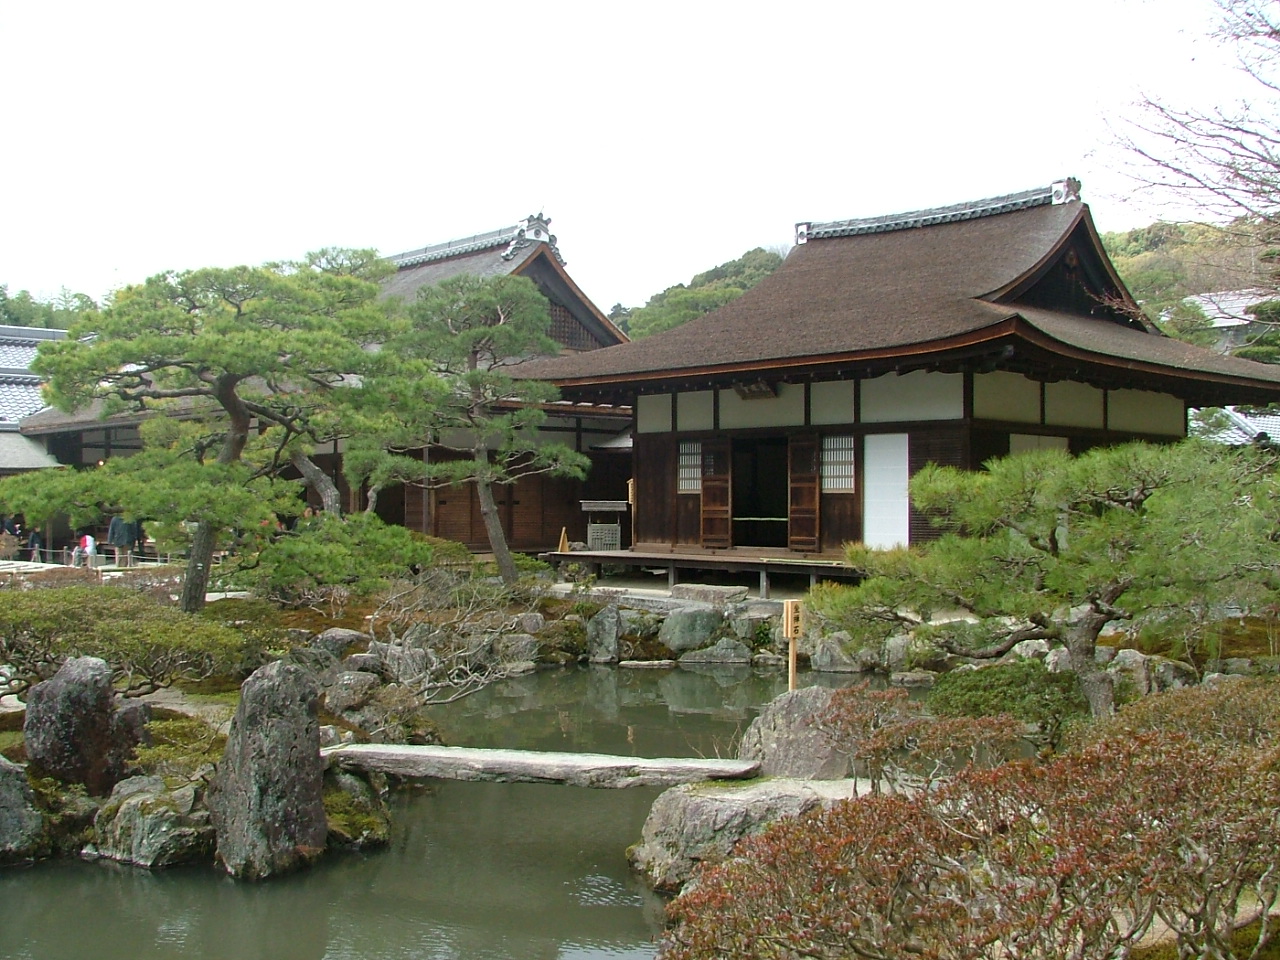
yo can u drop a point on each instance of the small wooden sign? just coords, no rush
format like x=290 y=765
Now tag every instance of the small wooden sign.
x=792 y=629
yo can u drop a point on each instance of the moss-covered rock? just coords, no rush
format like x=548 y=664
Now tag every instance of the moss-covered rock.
x=22 y=832
x=146 y=823
x=355 y=812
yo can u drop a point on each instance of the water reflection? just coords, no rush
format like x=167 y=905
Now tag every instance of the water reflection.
x=475 y=871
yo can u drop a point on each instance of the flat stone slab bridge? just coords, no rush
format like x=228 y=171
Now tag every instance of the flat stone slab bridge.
x=532 y=766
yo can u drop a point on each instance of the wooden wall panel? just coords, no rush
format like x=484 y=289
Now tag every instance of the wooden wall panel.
x=841 y=520
x=453 y=513
x=655 y=475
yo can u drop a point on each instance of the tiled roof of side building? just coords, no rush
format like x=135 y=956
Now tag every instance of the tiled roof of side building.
x=21 y=453
x=20 y=396
x=484 y=254
x=18 y=345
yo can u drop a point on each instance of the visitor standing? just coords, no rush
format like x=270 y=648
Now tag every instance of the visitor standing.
x=120 y=536
x=86 y=550
x=35 y=545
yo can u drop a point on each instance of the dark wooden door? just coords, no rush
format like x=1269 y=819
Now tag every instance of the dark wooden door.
x=717 y=494
x=803 y=479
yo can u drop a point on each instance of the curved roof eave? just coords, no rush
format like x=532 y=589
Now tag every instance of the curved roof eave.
x=1058 y=334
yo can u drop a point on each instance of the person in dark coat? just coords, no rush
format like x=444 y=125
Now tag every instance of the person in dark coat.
x=121 y=535
x=35 y=545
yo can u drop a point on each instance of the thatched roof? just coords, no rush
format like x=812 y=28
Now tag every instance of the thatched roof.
x=1022 y=279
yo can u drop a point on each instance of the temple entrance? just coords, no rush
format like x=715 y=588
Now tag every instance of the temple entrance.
x=760 y=492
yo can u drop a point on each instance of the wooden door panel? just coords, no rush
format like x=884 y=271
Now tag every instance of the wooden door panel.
x=717 y=494
x=803 y=479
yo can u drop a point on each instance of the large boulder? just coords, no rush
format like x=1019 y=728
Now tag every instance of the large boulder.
x=401 y=661
x=701 y=822
x=603 y=631
x=708 y=593
x=829 y=656
x=1172 y=674
x=22 y=834
x=77 y=731
x=512 y=648
x=690 y=628
x=785 y=738
x=266 y=798
x=336 y=641
x=1134 y=667
x=641 y=624
x=350 y=690
x=146 y=824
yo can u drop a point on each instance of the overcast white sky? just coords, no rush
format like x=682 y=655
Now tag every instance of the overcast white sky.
x=661 y=138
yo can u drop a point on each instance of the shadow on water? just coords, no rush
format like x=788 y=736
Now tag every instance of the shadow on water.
x=475 y=871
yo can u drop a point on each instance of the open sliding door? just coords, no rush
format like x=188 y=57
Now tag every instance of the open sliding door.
x=803 y=479
x=717 y=494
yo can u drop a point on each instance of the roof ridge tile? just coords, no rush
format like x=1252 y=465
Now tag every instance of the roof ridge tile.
x=886 y=223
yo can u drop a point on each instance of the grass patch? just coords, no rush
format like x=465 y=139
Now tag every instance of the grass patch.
x=213 y=689
x=11 y=747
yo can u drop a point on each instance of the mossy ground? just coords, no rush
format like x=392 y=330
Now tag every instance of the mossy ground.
x=1257 y=638
x=181 y=746
x=1242 y=942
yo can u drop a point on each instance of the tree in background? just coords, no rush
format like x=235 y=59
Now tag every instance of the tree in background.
x=679 y=304
x=448 y=376
x=1046 y=546
x=23 y=310
x=243 y=362
x=1224 y=160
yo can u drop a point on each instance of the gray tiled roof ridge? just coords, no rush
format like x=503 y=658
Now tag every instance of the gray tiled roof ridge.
x=970 y=210
x=27 y=334
x=455 y=248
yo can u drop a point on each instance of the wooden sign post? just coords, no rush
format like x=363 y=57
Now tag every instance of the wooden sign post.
x=792 y=628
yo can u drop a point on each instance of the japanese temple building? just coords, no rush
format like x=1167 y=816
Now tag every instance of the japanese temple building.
x=790 y=421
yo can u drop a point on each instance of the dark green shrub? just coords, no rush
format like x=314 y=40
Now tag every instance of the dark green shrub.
x=332 y=560
x=148 y=645
x=1023 y=689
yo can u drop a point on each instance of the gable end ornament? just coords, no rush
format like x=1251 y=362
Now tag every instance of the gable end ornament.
x=1066 y=191
x=535 y=228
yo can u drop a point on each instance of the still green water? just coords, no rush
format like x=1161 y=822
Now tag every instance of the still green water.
x=475 y=871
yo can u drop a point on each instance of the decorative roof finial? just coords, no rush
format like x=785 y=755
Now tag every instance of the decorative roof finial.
x=1066 y=191
x=535 y=228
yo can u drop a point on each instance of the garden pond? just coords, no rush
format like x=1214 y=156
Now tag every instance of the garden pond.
x=474 y=871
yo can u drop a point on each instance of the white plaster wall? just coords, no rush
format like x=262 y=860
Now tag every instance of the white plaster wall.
x=1071 y=404
x=884 y=491
x=1022 y=442
x=696 y=411
x=1142 y=411
x=831 y=401
x=915 y=396
x=1006 y=396
x=653 y=413
x=784 y=410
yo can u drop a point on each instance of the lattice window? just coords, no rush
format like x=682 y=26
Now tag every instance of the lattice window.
x=837 y=464
x=690 y=471
x=565 y=329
